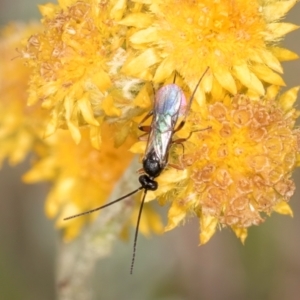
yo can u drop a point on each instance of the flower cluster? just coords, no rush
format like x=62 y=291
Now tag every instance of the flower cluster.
x=234 y=38
x=93 y=59
x=94 y=68
x=82 y=177
x=74 y=67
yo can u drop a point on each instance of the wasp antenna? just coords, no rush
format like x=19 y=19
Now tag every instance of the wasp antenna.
x=137 y=231
x=196 y=87
x=103 y=206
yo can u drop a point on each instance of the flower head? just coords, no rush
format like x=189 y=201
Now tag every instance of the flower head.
x=69 y=61
x=91 y=62
x=236 y=39
x=238 y=169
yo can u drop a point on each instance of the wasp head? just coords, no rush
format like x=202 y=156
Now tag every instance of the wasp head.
x=148 y=183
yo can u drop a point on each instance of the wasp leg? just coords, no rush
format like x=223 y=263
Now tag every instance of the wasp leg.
x=179 y=126
x=143 y=127
x=177 y=167
x=182 y=140
x=141 y=171
x=143 y=137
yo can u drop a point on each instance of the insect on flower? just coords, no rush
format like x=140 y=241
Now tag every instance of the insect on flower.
x=169 y=105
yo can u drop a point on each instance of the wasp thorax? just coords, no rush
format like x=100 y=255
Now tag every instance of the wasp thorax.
x=148 y=183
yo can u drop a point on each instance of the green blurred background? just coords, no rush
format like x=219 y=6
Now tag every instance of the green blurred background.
x=168 y=267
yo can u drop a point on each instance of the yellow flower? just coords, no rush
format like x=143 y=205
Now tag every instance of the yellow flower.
x=21 y=127
x=238 y=170
x=82 y=177
x=236 y=39
x=71 y=74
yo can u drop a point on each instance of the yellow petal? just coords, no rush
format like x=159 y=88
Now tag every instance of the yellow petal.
x=272 y=91
x=248 y=79
x=69 y=106
x=284 y=54
x=23 y=142
x=172 y=175
x=72 y=227
x=142 y=99
x=145 y=75
x=121 y=134
x=166 y=182
x=138 y=147
x=278 y=30
x=241 y=233
x=109 y=108
x=85 y=107
x=43 y=170
x=74 y=130
x=225 y=79
x=101 y=79
x=283 y=208
x=175 y=215
x=151 y=222
x=52 y=124
x=150 y=196
x=288 y=99
x=51 y=206
x=271 y=61
x=217 y=91
x=164 y=70
x=47 y=10
x=118 y=9
x=95 y=136
x=208 y=225
x=207 y=82
x=139 y=20
x=144 y=36
x=145 y=60
x=32 y=97
x=277 y=9
x=200 y=99
x=267 y=75
x=70 y=109
x=65 y=3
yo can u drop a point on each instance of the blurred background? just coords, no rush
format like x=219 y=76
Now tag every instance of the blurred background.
x=168 y=267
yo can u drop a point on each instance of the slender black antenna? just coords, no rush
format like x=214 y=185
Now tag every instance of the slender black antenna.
x=103 y=206
x=194 y=92
x=137 y=231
